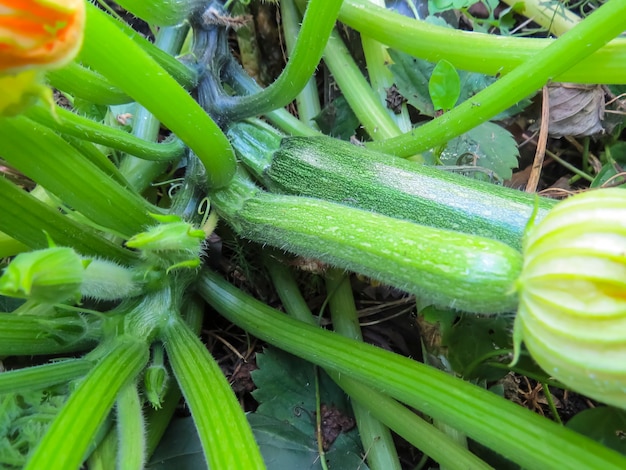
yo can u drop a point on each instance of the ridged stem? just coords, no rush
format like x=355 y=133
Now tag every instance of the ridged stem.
x=39 y=377
x=67 y=122
x=401 y=420
x=27 y=220
x=84 y=83
x=377 y=61
x=477 y=52
x=129 y=67
x=363 y=100
x=42 y=155
x=146 y=127
x=307 y=101
x=26 y=335
x=562 y=54
x=518 y=434
x=319 y=19
x=224 y=432
x=67 y=439
x=131 y=454
x=375 y=436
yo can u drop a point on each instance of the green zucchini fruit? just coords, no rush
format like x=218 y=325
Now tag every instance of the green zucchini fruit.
x=326 y=168
x=442 y=267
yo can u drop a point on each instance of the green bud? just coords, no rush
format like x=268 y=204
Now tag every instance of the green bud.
x=51 y=275
x=156 y=380
x=572 y=294
x=174 y=243
x=106 y=280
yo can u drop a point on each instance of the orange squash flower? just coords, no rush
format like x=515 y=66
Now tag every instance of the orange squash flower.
x=35 y=35
x=40 y=34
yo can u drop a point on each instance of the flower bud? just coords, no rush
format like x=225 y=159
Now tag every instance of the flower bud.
x=35 y=35
x=572 y=294
x=156 y=380
x=173 y=243
x=40 y=33
x=51 y=275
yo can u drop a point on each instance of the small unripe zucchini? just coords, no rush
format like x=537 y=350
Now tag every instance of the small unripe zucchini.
x=326 y=168
x=572 y=293
x=442 y=267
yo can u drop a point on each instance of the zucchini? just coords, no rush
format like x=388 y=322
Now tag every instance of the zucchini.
x=326 y=168
x=442 y=267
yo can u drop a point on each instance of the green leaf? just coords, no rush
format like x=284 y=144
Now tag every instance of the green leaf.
x=411 y=76
x=444 y=86
x=606 y=173
x=604 y=424
x=615 y=157
x=284 y=423
x=286 y=389
x=282 y=446
x=490 y=145
x=337 y=119
x=472 y=338
x=179 y=448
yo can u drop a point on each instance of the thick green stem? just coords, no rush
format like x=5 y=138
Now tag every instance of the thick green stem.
x=28 y=220
x=307 y=101
x=46 y=158
x=476 y=52
x=157 y=420
x=26 y=335
x=319 y=19
x=130 y=429
x=565 y=52
x=404 y=422
x=280 y=117
x=103 y=457
x=83 y=83
x=224 y=432
x=375 y=436
x=67 y=122
x=377 y=60
x=70 y=434
x=515 y=432
x=363 y=100
x=141 y=173
x=552 y=15
x=129 y=67
x=93 y=154
x=39 y=377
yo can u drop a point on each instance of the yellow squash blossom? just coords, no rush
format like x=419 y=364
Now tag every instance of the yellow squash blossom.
x=39 y=33
x=35 y=35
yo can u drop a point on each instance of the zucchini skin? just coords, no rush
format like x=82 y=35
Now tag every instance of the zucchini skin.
x=326 y=168
x=445 y=268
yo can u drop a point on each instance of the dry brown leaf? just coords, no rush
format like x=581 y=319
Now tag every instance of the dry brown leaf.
x=575 y=110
